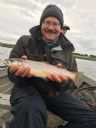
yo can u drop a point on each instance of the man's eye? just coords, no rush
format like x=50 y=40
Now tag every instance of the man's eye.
x=48 y=23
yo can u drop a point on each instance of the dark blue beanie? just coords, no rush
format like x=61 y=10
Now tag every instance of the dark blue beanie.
x=52 y=11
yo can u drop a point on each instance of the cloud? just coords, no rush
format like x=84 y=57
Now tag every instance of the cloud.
x=16 y=17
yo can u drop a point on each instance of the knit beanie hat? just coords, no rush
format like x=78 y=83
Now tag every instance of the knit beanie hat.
x=52 y=11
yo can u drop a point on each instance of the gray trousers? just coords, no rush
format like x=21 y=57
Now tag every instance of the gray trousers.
x=29 y=108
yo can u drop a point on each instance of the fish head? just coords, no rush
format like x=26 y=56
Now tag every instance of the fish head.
x=13 y=62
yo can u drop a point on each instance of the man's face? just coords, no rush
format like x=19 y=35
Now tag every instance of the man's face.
x=50 y=28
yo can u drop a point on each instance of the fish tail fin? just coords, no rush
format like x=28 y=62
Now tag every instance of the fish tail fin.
x=78 y=75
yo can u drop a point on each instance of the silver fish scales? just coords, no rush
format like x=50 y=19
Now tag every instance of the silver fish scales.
x=42 y=69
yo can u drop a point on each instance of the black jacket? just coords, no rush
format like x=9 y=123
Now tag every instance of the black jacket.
x=35 y=48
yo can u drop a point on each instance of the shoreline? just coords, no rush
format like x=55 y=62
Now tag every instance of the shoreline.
x=76 y=55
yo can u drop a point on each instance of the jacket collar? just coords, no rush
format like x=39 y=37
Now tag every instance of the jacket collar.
x=65 y=44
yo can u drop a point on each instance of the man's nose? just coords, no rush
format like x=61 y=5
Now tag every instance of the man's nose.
x=51 y=26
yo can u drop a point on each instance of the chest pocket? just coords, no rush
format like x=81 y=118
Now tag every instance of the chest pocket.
x=60 y=57
x=36 y=57
x=34 y=53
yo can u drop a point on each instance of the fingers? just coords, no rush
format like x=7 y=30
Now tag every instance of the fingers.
x=63 y=78
x=27 y=72
x=57 y=78
x=13 y=69
x=22 y=71
x=59 y=65
x=24 y=57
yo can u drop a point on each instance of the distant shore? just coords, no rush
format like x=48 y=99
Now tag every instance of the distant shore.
x=84 y=56
x=76 y=55
x=6 y=45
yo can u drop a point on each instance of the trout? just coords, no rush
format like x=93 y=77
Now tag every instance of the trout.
x=42 y=69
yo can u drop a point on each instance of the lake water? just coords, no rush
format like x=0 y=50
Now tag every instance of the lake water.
x=86 y=66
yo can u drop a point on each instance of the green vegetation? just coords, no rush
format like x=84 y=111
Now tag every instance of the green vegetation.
x=85 y=56
x=6 y=45
x=76 y=55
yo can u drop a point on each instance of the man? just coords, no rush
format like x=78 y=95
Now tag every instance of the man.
x=32 y=96
x=64 y=29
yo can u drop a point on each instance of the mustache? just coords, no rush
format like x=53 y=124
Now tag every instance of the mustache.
x=50 y=31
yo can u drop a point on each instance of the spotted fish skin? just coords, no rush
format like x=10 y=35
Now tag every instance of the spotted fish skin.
x=42 y=69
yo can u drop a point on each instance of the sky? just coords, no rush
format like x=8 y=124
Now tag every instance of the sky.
x=18 y=16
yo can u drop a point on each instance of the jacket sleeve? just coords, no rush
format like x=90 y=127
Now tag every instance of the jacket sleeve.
x=72 y=67
x=17 y=52
x=73 y=64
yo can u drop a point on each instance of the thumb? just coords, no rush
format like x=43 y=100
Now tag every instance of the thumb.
x=59 y=65
x=24 y=57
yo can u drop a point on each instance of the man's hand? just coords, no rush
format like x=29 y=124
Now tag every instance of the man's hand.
x=24 y=57
x=22 y=71
x=56 y=77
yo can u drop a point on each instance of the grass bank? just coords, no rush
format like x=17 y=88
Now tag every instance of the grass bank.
x=6 y=45
x=76 y=55
x=85 y=56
